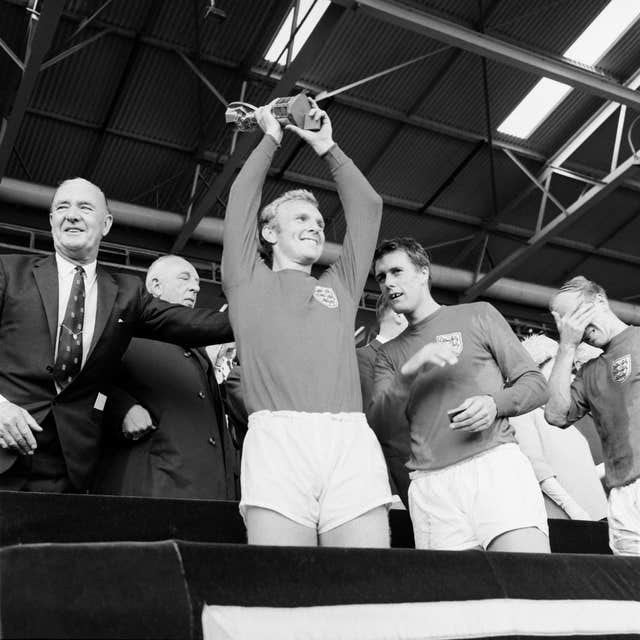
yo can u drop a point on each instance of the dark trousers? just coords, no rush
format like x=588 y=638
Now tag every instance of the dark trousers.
x=43 y=471
x=400 y=477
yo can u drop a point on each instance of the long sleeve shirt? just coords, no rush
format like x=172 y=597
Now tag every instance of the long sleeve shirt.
x=294 y=331
x=491 y=361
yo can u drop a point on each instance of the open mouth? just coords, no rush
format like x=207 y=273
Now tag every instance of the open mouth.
x=394 y=296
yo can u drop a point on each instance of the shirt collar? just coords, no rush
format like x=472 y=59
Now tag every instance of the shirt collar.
x=66 y=268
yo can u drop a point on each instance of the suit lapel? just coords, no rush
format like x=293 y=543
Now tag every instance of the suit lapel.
x=107 y=292
x=45 y=273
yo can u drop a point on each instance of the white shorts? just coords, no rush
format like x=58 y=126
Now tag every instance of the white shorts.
x=624 y=519
x=318 y=469
x=470 y=503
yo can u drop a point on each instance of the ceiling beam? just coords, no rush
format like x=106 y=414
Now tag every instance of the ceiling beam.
x=570 y=146
x=309 y=52
x=561 y=222
x=495 y=49
x=42 y=39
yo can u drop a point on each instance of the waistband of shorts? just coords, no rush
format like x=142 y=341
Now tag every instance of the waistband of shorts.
x=419 y=473
x=343 y=416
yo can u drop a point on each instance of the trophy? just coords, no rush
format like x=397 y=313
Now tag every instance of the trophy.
x=289 y=110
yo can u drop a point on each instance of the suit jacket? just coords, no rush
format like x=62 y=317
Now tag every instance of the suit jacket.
x=28 y=326
x=190 y=454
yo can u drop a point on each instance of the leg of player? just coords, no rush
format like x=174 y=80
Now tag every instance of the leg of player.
x=529 y=539
x=267 y=527
x=371 y=530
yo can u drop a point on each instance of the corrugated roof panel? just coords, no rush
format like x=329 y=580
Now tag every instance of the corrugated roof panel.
x=619 y=280
x=547 y=26
x=52 y=151
x=607 y=218
x=230 y=39
x=129 y=15
x=14 y=25
x=525 y=215
x=361 y=46
x=454 y=10
x=622 y=60
x=161 y=100
x=125 y=169
x=572 y=112
x=362 y=136
x=537 y=268
x=416 y=163
x=626 y=239
x=596 y=151
x=246 y=32
x=472 y=193
x=426 y=229
x=83 y=85
x=459 y=99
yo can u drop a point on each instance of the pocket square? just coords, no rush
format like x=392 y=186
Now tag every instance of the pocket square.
x=101 y=400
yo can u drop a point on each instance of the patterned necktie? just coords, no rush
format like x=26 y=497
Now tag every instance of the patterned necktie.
x=69 y=358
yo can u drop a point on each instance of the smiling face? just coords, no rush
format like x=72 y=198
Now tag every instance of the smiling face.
x=296 y=234
x=175 y=280
x=404 y=283
x=79 y=220
x=598 y=332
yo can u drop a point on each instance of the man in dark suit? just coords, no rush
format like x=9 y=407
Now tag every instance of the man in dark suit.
x=65 y=323
x=165 y=414
x=396 y=449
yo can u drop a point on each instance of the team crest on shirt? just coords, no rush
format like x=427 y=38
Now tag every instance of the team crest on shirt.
x=453 y=339
x=621 y=368
x=326 y=296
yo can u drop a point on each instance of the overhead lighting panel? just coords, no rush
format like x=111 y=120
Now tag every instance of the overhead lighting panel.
x=309 y=14
x=594 y=42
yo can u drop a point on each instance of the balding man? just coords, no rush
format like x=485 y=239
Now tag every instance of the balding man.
x=165 y=412
x=607 y=387
x=65 y=322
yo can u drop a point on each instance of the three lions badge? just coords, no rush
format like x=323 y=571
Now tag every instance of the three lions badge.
x=621 y=368
x=326 y=296
x=454 y=339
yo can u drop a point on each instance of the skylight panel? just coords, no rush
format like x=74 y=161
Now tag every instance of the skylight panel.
x=598 y=38
x=309 y=14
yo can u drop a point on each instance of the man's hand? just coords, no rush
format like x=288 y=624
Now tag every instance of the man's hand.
x=137 y=423
x=268 y=123
x=16 y=426
x=477 y=413
x=439 y=354
x=571 y=326
x=322 y=140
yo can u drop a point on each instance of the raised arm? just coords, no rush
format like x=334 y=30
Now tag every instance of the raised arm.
x=561 y=409
x=361 y=204
x=240 y=238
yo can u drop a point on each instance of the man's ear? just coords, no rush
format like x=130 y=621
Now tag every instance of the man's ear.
x=108 y=221
x=269 y=234
x=156 y=288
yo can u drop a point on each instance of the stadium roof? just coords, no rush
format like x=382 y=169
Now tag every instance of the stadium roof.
x=131 y=95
